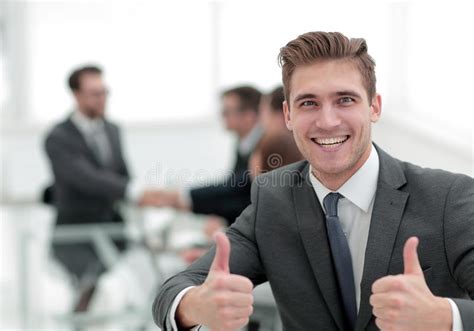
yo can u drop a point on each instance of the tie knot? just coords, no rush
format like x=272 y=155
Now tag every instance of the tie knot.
x=330 y=203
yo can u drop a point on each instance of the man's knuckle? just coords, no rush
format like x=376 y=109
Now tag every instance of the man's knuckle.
x=376 y=312
x=226 y=314
x=398 y=283
x=221 y=299
x=392 y=316
x=216 y=283
x=398 y=302
x=250 y=299
x=229 y=324
x=249 y=310
x=244 y=321
x=372 y=300
x=375 y=286
x=379 y=323
x=249 y=285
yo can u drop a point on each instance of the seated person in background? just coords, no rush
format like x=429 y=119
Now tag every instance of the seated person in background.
x=90 y=173
x=277 y=148
x=272 y=152
x=228 y=198
x=278 y=141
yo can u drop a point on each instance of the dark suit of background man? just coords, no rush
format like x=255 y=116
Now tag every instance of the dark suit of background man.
x=90 y=173
x=228 y=198
x=337 y=235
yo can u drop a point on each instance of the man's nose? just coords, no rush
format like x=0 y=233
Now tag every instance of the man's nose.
x=327 y=118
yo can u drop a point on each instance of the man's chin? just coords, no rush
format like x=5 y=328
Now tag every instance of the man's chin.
x=332 y=169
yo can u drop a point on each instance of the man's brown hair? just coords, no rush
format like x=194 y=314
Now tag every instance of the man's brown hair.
x=277 y=96
x=249 y=97
x=74 y=80
x=319 y=46
x=277 y=150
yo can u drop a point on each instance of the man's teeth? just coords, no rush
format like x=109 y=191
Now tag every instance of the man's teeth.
x=331 y=140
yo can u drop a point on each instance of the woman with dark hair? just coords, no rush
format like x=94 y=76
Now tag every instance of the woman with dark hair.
x=273 y=151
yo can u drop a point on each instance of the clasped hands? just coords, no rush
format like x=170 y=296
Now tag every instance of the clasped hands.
x=162 y=198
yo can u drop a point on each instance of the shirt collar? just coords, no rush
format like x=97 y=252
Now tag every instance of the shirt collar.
x=248 y=143
x=85 y=124
x=360 y=188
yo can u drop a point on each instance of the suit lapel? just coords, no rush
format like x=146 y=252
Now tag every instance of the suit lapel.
x=312 y=228
x=113 y=142
x=78 y=135
x=387 y=213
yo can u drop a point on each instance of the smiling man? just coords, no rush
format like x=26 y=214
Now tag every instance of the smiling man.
x=332 y=116
x=349 y=239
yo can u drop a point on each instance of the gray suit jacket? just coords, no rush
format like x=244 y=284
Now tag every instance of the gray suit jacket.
x=281 y=238
x=84 y=190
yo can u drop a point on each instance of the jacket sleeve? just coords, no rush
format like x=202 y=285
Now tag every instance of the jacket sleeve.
x=244 y=260
x=224 y=200
x=70 y=166
x=459 y=242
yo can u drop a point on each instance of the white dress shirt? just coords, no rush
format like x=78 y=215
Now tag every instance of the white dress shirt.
x=93 y=131
x=355 y=212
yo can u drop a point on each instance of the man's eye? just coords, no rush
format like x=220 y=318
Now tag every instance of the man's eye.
x=346 y=100
x=308 y=103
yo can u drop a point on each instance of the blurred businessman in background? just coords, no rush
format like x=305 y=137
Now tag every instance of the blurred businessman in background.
x=240 y=107
x=90 y=173
x=271 y=112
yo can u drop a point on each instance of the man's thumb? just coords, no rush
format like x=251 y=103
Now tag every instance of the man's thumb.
x=221 y=259
x=410 y=257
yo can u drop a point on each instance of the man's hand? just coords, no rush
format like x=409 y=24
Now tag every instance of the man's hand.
x=404 y=302
x=223 y=302
x=162 y=198
x=147 y=198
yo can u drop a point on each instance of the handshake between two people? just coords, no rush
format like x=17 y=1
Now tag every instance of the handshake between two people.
x=162 y=198
x=400 y=302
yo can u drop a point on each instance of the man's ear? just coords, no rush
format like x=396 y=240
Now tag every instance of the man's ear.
x=376 y=108
x=286 y=113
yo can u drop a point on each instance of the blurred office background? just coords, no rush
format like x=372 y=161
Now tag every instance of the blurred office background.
x=166 y=63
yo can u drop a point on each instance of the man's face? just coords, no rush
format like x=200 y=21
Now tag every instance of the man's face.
x=330 y=115
x=231 y=112
x=236 y=119
x=92 y=95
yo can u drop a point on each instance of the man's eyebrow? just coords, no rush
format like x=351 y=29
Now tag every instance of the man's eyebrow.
x=305 y=96
x=347 y=93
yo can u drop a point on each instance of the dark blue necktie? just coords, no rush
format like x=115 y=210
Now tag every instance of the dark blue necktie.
x=341 y=256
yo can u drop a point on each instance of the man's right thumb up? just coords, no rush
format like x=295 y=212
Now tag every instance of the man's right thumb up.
x=221 y=259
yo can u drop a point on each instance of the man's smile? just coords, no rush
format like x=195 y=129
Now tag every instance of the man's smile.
x=330 y=143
